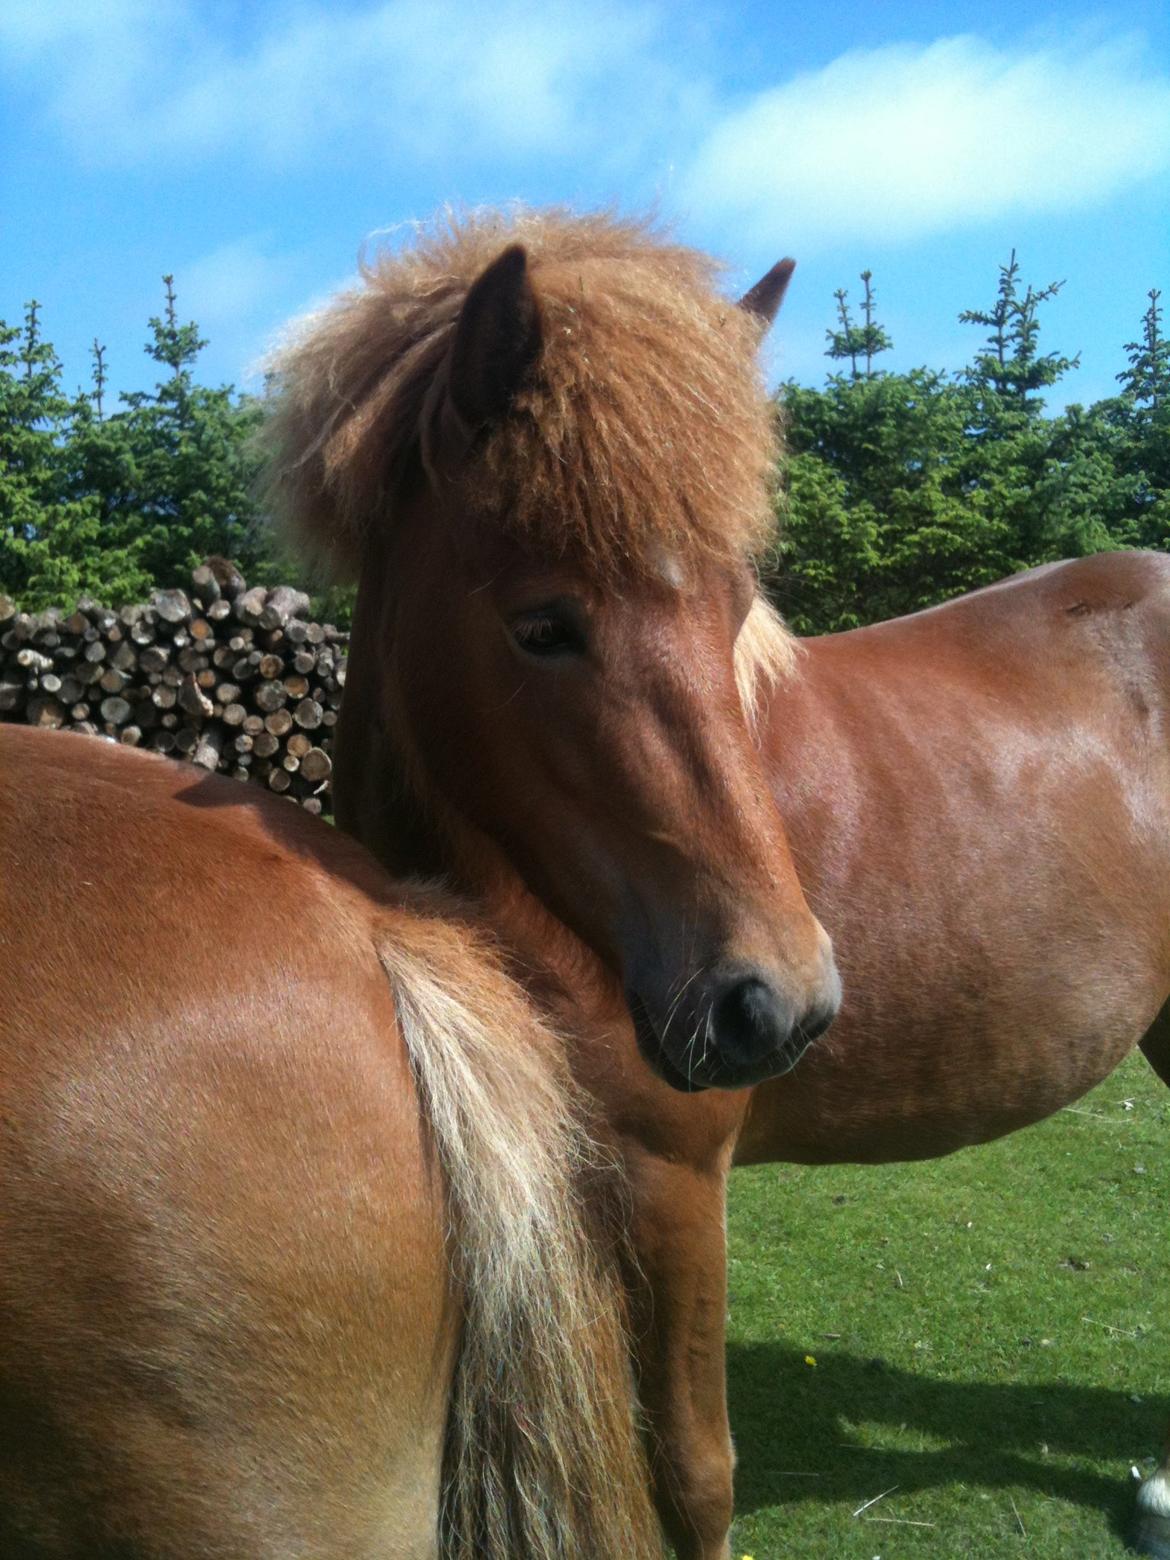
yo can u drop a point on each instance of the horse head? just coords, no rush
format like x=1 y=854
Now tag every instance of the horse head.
x=559 y=613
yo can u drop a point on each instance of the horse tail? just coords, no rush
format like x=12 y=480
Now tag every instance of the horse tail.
x=543 y=1459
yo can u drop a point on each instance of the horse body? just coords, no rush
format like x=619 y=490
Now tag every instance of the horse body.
x=201 y=1270
x=977 y=800
x=565 y=695
x=249 y=1269
x=978 y=803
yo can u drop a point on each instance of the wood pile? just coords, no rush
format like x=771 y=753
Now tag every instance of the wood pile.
x=232 y=679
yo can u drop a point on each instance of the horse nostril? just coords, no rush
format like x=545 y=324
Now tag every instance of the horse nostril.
x=750 y=1021
x=813 y=1025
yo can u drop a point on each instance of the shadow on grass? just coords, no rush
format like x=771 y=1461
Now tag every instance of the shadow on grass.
x=789 y=1419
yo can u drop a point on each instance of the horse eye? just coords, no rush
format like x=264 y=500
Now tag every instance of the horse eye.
x=546 y=633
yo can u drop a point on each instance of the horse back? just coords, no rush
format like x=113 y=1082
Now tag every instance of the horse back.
x=225 y=1325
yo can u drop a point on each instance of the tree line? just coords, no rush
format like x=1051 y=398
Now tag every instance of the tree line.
x=900 y=490
x=113 y=498
x=896 y=491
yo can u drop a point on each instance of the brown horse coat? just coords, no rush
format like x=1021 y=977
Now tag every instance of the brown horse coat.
x=539 y=444
x=978 y=802
x=252 y=1282
x=194 y=1356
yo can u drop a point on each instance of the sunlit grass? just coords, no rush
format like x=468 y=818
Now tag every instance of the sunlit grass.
x=983 y=1338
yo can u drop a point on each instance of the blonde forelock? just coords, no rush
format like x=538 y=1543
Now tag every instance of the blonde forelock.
x=645 y=427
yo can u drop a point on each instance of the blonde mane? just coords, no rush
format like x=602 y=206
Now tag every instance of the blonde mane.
x=645 y=427
x=765 y=653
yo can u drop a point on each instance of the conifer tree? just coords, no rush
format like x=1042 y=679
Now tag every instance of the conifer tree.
x=192 y=466
x=1013 y=368
x=1147 y=378
x=853 y=341
x=1139 y=422
x=903 y=489
x=1017 y=463
x=98 y=353
x=845 y=342
x=114 y=504
x=874 y=338
x=41 y=528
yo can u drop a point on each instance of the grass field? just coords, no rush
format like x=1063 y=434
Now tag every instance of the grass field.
x=983 y=1338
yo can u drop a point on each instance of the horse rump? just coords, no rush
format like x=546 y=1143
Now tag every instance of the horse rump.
x=294 y=1254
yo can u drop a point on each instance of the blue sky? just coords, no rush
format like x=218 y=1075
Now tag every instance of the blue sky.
x=251 y=148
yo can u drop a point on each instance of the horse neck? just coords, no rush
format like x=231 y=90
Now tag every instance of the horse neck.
x=562 y=974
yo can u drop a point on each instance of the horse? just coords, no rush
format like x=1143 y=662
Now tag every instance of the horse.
x=540 y=444
x=297 y=1257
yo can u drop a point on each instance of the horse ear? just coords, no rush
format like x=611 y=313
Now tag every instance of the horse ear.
x=497 y=340
x=764 y=299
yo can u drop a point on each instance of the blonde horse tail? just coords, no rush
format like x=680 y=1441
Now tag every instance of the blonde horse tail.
x=544 y=1460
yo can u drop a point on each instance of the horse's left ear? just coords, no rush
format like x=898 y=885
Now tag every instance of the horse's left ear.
x=497 y=340
x=764 y=299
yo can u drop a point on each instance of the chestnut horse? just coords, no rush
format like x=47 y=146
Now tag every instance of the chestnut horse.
x=541 y=445
x=287 y=1209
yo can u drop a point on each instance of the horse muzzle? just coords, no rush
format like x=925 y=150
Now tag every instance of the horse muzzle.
x=732 y=1028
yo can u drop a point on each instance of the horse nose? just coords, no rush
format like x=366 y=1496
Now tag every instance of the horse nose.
x=753 y=1022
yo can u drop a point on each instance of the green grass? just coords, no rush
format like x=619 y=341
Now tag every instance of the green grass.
x=989 y=1336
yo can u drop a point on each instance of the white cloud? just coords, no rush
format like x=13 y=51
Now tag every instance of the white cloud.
x=235 y=282
x=903 y=141
x=129 y=82
x=241 y=292
x=27 y=26
x=887 y=144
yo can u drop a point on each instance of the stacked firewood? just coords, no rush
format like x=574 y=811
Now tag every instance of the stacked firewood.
x=233 y=679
